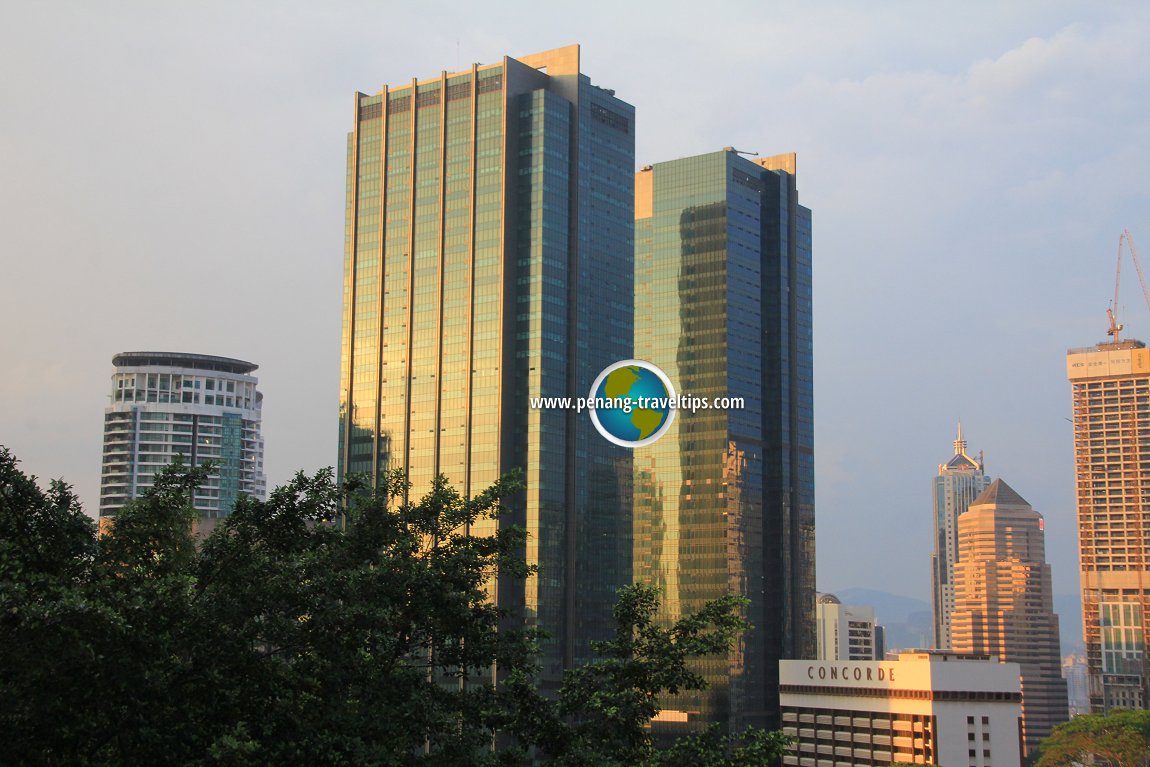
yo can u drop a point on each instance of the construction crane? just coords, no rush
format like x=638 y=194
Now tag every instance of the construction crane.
x=1111 y=313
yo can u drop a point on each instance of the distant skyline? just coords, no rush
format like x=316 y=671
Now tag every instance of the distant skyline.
x=969 y=167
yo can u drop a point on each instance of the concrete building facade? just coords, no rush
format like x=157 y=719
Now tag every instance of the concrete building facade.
x=1110 y=393
x=196 y=406
x=926 y=707
x=846 y=632
x=1004 y=603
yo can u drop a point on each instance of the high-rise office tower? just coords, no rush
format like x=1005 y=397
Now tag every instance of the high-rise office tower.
x=960 y=480
x=199 y=407
x=1003 y=603
x=1110 y=385
x=488 y=260
x=724 y=501
x=846 y=632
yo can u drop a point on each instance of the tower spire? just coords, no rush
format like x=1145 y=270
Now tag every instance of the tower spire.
x=959 y=442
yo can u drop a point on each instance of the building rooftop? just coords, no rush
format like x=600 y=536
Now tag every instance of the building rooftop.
x=1108 y=346
x=184 y=360
x=961 y=461
x=1001 y=494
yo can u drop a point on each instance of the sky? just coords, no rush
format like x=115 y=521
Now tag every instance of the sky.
x=172 y=178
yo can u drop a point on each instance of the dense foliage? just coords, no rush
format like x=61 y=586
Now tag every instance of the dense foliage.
x=325 y=626
x=1121 y=738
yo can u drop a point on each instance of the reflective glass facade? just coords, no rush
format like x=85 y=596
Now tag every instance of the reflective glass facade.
x=724 y=502
x=488 y=260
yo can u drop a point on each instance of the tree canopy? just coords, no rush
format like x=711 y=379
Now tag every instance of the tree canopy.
x=1122 y=738
x=328 y=625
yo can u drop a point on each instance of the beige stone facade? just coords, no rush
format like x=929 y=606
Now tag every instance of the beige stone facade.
x=1004 y=603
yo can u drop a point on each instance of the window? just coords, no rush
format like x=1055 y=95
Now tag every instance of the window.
x=610 y=117
x=488 y=84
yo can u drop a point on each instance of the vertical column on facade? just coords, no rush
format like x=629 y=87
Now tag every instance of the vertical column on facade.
x=440 y=274
x=502 y=378
x=381 y=251
x=412 y=178
x=347 y=415
x=469 y=361
x=571 y=516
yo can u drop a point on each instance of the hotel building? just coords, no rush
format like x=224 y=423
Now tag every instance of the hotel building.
x=924 y=708
x=199 y=407
x=724 y=501
x=1004 y=603
x=1110 y=390
x=959 y=481
x=488 y=260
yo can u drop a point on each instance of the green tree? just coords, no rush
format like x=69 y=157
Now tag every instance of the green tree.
x=610 y=701
x=324 y=626
x=1121 y=738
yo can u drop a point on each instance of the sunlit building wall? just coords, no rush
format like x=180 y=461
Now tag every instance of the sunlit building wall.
x=488 y=260
x=1110 y=390
x=931 y=707
x=1004 y=604
x=724 y=501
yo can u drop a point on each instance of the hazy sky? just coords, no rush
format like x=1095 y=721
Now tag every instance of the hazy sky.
x=172 y=178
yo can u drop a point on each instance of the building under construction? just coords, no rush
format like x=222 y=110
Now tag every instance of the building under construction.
x=1110 y=385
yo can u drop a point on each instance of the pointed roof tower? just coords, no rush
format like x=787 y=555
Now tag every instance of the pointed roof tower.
x=1000 y=494
x=961 y=461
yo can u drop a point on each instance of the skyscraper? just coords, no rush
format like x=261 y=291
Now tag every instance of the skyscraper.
x=959 y=481
x=200 y=407
x=846 y=632
x=488 y=259
x=724 y=501
x=1110 y=387
x=1003 y=603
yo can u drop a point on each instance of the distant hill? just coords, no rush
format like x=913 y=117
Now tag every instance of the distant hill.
x=908 y=620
